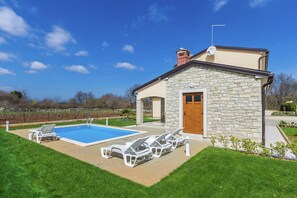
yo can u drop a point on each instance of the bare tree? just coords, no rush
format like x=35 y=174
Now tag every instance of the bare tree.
x=130 y=97
x=284 y=88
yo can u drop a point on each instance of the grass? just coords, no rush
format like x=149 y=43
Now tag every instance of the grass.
x=291 y=133
x=123 y=122
x=28 y=169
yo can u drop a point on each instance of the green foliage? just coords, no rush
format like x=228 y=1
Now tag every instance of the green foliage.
x=235 y=142
x=249 y=146
x=224 y=141
x=265 y=151
x=293 y=148
x=16 y=93
x=280 y=149
x=282 y=123
x=288 y=106
x=213 y=140
x=127 y=113
x=25 y=171
x=283 y=113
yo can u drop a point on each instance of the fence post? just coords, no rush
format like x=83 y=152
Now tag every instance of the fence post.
x=187 y=146
x=106 y=121
x=7 y=126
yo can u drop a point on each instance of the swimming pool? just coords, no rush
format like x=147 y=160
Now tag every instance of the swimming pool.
x=86 y=135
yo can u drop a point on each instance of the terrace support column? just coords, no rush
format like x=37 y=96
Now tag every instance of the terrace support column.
x=139 y=112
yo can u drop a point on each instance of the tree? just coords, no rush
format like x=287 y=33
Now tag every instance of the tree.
x=83 y=98
x=130 y=97
x=284 y=88
x=17 y=94
x=113 y=101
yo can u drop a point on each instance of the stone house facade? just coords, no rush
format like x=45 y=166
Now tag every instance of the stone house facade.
x=205 y=97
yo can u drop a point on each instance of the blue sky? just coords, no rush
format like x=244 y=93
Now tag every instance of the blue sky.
x=55 y=48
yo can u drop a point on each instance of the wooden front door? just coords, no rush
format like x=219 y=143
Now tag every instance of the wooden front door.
x=193 y=113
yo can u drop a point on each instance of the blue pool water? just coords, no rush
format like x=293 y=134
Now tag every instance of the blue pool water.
x=89 y=134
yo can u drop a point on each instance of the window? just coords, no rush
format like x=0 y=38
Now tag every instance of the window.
x=188 y=98
x=197 y=98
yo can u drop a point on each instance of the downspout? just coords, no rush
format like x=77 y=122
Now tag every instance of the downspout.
x=259 y=61
x=270 y=80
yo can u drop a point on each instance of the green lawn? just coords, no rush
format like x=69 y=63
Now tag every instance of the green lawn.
x=291 y=133
x=122 y=121
x=28 y=169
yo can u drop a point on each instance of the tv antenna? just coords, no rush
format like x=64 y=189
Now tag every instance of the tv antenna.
x=212 y=26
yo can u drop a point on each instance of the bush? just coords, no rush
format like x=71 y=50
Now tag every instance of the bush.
x=288 y=106
x=224 y=141
x=265 y=151
x=275 y=113
x=213 y=140
x=293 y=148
x=282 y=123
x=127 y=112
x=280 y=148
x=249 y=146
x=235 y=142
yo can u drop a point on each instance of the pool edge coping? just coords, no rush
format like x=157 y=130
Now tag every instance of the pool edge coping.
x=139 y=132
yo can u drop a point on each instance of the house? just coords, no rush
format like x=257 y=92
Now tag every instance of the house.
x=211 y=93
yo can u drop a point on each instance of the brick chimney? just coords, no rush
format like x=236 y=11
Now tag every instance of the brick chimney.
x=182 y=56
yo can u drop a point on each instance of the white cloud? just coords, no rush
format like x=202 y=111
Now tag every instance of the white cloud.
x=31 y=71
x=77 y=68
x=81 y=53
x=2 y=40
x=92 y=66
x=258 y=3
x=58 y=38
x=128 y=48
x=126 y=65
x=36 y=65
x=156 y=13
x=138 y=21
x=218 y=4
x=6 y=56
x=105 y=44
x=7 y=88
x=4 y=71
x=11 y=23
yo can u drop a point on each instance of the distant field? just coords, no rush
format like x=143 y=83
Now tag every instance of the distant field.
x=43 y=116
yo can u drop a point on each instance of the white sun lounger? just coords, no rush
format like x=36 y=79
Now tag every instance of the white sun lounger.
x=89 y=121
x=159 y=145
x=176 y=138
x=43 y=132
x=132 y=152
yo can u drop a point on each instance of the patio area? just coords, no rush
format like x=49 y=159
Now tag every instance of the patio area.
x=146 y=174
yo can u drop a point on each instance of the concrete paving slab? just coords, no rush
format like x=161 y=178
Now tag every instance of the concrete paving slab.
x=146 y=174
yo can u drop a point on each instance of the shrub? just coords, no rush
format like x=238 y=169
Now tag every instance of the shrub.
x=276 y=113
x=288 y=106
x=249 y=146
x=127 y=112
x=293 y=148
x=224 y=141
x=213 y=140
x=280 y=149
x=235 y=142
x=265 y=151
x=282 y=123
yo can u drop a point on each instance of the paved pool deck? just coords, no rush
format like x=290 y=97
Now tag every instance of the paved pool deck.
x=147 y=174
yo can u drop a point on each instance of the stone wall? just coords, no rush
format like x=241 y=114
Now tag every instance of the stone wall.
x=233 y=101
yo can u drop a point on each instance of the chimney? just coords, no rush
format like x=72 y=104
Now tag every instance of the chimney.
x=182 y=56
